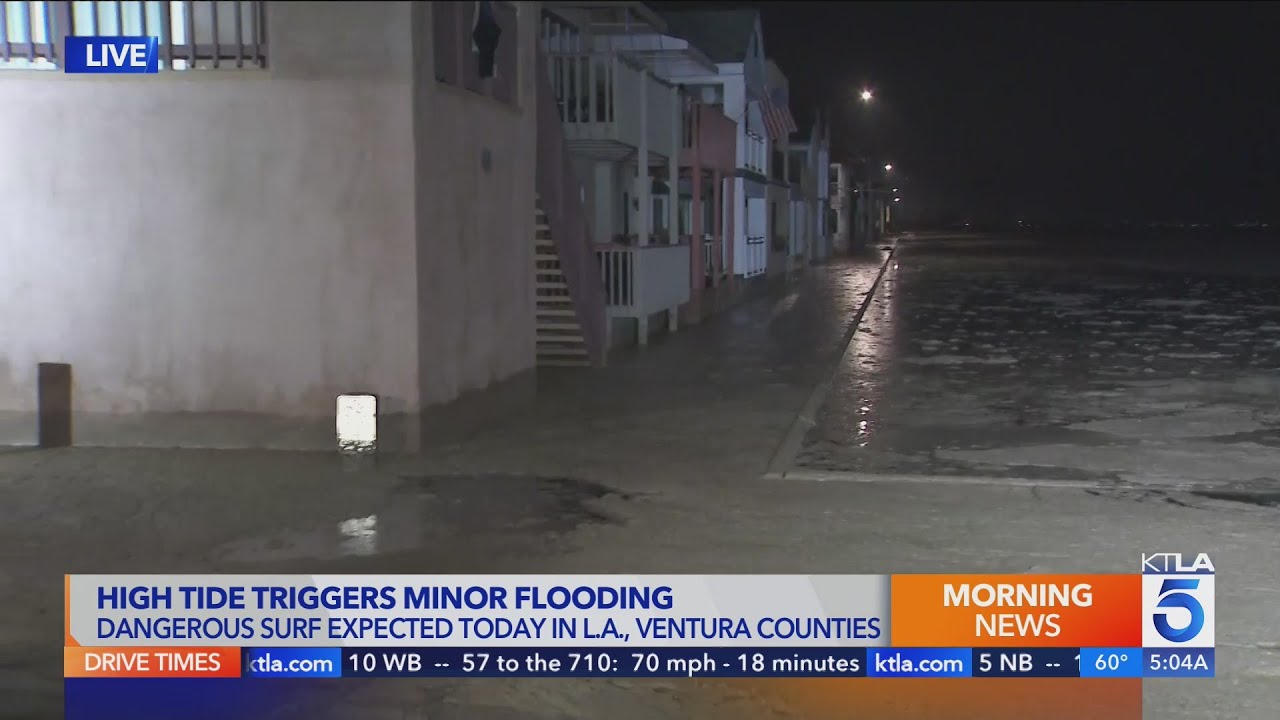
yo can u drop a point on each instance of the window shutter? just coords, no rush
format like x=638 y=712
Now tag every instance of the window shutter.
x=447 y=41
x=506 y=85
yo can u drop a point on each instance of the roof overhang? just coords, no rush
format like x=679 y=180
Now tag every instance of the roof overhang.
x=652 y=48
x=608 y=18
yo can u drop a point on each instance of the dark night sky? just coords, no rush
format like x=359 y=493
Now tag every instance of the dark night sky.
x=1050 y=112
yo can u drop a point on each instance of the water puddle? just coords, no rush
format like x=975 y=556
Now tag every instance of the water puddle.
x=426 y=511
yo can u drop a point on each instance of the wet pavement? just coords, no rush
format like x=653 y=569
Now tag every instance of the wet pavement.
x=1026 y=359
x=655 y=465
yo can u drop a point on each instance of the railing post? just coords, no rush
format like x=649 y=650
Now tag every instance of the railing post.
x=717 y=228
x=591 y=90
x=63 y=25
x=644 y=185
x=673 y=170
x=612 y=87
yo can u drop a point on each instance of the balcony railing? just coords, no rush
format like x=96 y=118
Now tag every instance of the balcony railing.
x=192 y=34
x=714 y=137
x=753 y=152
x=757 y=257
x=600 y=94
x=640 y=281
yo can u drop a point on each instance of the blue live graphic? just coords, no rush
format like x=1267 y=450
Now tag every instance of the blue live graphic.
x=128 y=55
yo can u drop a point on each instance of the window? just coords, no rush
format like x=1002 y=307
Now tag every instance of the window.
x=458 y=33
x=779 y=229
x=193 y=34
x=778 y=164
x=25 y=32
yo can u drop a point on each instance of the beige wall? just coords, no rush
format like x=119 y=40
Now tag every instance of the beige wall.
x=245 y=245
x=475 y=226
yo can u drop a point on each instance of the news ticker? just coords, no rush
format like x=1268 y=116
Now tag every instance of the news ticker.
x=1159 y=621
x=640 y=662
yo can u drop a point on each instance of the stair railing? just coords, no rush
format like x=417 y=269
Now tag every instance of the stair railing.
x=561 y=199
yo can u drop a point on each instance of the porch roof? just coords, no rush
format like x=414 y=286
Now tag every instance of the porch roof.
x=722 y=35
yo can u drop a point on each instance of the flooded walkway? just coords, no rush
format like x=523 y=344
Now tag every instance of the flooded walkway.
x=655 y=465
x=1062 y=361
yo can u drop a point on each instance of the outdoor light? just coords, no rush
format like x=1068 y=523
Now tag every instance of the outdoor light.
x=888 y=168
x=866 y=96
x=897 y=199
x=357 y=423
x=895 y=189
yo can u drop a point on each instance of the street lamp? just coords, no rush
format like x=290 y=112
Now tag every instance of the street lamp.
x=897 y=199
x=866 y=96
x=888 y=168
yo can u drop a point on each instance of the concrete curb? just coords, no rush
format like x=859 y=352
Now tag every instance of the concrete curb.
x=871 y=478
x=785 y=455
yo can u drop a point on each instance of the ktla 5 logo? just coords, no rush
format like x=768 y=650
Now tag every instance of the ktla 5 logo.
x=1177 y=602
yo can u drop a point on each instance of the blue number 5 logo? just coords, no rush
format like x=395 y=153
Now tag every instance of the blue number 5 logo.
x=1171 y=596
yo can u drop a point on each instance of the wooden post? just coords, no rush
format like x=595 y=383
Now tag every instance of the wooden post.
x=696 y=242
x=53 y=393
x=717 y=228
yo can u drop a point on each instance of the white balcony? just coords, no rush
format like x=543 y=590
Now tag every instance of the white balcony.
x=640 y=281
x=756 y=259
x=608 y=102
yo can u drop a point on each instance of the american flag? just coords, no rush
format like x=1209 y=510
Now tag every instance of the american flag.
x=777 y=114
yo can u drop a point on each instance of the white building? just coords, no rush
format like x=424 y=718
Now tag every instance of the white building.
x=734 y=41
x=841 y=214
x=311 y=198
x=810 y=165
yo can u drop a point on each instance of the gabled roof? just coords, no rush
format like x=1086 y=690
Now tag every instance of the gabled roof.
x=724 y=36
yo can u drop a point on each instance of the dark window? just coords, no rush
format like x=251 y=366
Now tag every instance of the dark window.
x=471 y=79
x=476 y=50
x=506 y=63
x=780 y=240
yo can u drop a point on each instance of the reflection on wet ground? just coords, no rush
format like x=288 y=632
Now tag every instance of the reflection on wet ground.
x=1005 y=358
x=427 y=510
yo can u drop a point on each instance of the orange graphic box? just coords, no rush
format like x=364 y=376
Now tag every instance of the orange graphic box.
x=1016 y=611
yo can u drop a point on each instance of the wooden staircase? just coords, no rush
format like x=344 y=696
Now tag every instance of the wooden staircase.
x=559 y=335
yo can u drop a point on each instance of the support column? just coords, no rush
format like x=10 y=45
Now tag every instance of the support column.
x=673 y=168
x=717 y=227
x=644 y=184
x=673 y=185
x=605 y=199
x=644 y=196
x=698 y=254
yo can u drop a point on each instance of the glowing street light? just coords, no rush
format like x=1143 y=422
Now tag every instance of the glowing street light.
x=897 y=199
x=888 y=168
x=895 y=189
x=866 y=96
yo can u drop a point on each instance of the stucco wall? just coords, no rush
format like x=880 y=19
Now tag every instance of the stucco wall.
x=475 y=230
x=257 y=242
